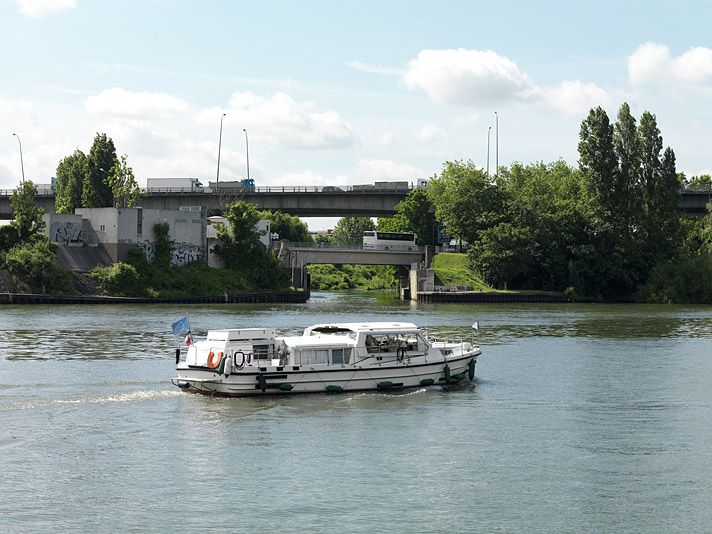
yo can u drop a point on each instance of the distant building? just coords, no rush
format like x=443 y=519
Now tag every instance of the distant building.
x=118 y=230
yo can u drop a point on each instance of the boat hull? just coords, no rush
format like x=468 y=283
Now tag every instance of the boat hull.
x=256 y=381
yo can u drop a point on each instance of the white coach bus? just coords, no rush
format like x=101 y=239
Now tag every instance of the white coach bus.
x=389 y=240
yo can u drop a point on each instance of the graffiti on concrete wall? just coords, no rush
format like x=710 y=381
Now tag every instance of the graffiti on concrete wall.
x=67 y=233
x=149 y=249
x=182 y=253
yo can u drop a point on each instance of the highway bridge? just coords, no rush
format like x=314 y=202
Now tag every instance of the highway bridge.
x=304 y=201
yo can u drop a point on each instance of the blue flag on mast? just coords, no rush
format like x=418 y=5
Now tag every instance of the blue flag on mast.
x=181 y=326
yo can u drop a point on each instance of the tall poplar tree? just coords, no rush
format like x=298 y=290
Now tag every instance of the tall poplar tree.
x=71 y=173
x=598 y=162
x=96 y=192
x=626 y=144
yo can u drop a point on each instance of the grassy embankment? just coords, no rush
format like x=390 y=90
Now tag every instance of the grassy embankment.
x=453 y=269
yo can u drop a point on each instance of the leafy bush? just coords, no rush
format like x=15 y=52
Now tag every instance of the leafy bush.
x=33 y=264
x=120 y=279
x=683 y=280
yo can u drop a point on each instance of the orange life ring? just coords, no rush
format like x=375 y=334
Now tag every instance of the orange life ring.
x=212 y=362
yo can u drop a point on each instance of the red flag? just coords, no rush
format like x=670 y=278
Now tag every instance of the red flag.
x=188 y=340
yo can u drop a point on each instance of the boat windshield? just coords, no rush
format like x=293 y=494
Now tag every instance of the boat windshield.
x=391 y=342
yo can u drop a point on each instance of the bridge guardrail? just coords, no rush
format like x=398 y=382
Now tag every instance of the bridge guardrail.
x=261 y=189
x=282 y=189
x=331 y=246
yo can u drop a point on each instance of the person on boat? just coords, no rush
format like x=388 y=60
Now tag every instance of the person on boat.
x=371 y=344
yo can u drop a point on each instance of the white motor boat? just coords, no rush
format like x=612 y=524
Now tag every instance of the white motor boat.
x=331 y=358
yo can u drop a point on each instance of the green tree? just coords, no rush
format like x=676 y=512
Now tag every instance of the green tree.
x=288 y=227
x=123 y=185
x=164 y=245
x=120 y=279
x=661 y=194
x=349 y=230
x=701 y=181
x=609 y=264
x=626 y=142
x=549 y=202
x=71 y=173
x=33 y=263
x=416 y=214
x=27 y=219
x=240 y=248
x=96 y=191
x=598 y=162
x=501 y=254
x=466 y=200
x=8 y=239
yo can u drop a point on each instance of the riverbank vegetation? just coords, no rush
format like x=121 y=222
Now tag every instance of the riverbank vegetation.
x=609 y=229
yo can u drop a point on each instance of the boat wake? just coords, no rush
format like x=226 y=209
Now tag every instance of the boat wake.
x=133 y=396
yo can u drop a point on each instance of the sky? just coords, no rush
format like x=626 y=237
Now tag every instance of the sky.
x=341 y=92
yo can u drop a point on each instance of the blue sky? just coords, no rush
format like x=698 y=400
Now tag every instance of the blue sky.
x=342 y=92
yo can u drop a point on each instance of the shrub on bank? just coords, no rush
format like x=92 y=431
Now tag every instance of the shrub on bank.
x=120 y=280
x=683 y=280
x=32 y=265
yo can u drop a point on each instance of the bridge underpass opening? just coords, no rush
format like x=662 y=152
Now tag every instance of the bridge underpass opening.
x=326 y=276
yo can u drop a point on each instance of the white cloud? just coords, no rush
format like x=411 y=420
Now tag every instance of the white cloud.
x=465 y=119
x=122 y=103
x=653 y=63
x=386 y=138
x=280 y=119
x=383 y=169
x=575 y=98
x=466 y=77
x=43 y=8
x=430 y=132
x=484 y=78
x=374 y=69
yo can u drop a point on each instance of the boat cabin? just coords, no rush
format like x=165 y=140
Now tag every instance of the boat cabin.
x=254 y=344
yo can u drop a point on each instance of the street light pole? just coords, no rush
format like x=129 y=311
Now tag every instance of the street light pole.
x=489 y=130
x=247 y=151
x=496 y=143
x=22 y=163
x=217 y=178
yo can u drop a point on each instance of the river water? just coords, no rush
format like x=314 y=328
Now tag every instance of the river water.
x=584 y=418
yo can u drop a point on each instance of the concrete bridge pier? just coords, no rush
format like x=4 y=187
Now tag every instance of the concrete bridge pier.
x=419 y=279
x=300 y=278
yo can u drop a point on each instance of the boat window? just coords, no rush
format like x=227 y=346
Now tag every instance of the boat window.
x=340 y=356
x=390 y=342
x=322 y=356
x=262 y=352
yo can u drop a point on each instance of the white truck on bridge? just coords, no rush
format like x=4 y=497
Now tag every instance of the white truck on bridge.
x=182 y=185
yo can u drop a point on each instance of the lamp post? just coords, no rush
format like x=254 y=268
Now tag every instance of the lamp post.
x=217 y=177
x=22 y=163
x=489 y=130
x=496 y=144
x=247 y=151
